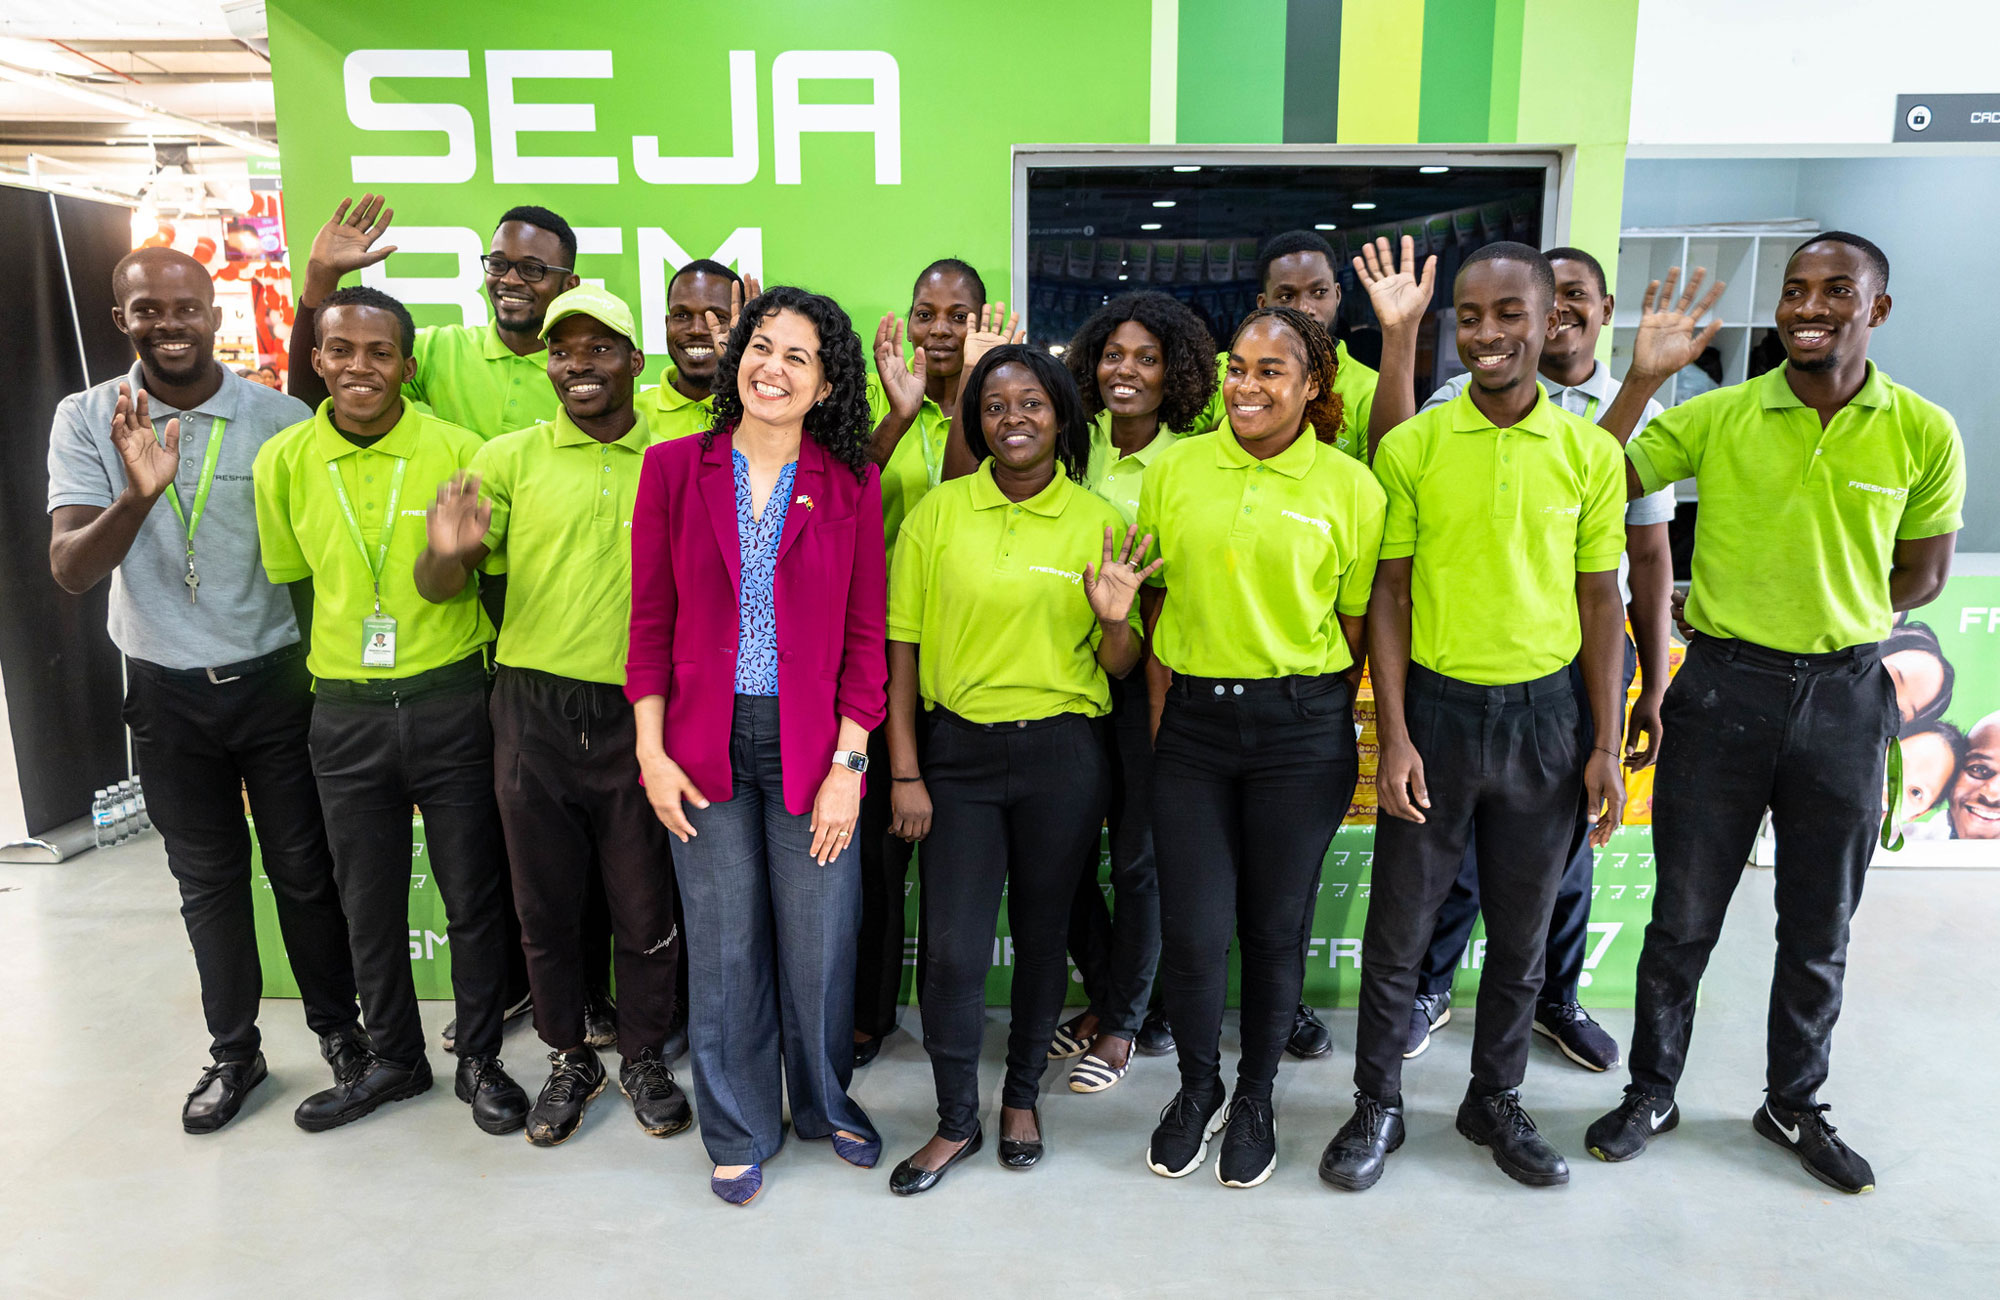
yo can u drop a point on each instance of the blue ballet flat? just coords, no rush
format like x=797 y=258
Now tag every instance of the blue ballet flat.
x=862 y=1155
x=740 y=1190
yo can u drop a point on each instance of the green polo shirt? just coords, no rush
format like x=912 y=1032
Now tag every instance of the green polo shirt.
x=469 y=377
x=991 y=593
x=1799 y=523
x=670 y=413
x=562 y=532
x=917 y=464
x=1116 y=478
x=1500 y=522
x=303 y=533
x=1259 y=555
x=1353 y=381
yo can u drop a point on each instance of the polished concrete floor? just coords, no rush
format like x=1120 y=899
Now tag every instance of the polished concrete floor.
x=102 y=1194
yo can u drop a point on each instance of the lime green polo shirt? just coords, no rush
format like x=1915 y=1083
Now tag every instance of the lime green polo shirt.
x=469 y=377
x=1353 y=381
x=562 y=532
x=670 y=413
x=303 y=533
x=917 y=464
x=1500 y=522
x=1260 y=555
x=1799 y=523
x=991 y=593
x=1118 y=479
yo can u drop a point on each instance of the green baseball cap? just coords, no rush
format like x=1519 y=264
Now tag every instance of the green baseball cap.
x=589 y=300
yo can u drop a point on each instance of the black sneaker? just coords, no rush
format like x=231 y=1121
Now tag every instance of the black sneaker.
x=1155 y=1036
x=1807 y=1135
x=1497 y=1122
x=375 y=1082
x=600 y=1020
x=1581 y=1039
x=1310 y=1038
x=499 y=1105
x=1249 y=1143
x=1180 y=1142
x=1358 y=1154
x=657 y=1101
x=575 y=1079
x=1623 y=1133
x=218 y=1095
x=1429 y=1011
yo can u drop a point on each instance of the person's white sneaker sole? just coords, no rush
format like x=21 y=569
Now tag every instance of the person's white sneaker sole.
x=1215 y=1123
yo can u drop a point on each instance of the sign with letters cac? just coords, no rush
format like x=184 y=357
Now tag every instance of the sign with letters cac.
x=842 y=148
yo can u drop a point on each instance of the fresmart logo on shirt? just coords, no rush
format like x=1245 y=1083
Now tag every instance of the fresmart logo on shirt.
x=1894 y=494
x=1064 y=574
x=1325 y=528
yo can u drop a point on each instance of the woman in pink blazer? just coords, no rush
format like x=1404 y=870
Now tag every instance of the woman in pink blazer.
x=756 y=672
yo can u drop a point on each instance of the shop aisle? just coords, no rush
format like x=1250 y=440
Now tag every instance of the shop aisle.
x=102 y=1194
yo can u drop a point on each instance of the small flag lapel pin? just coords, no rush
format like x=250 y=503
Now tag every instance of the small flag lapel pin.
x=804 y=500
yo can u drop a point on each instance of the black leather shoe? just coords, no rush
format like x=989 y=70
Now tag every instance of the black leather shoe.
x=1310 y=1039
x=1022 y=1155
x=600 y=1020
x=346 y=1050
x=376 y=1082
x=1155 y=1036
x=1498 y=1123
x=867 y=1050
x=219 y=1093
x=499 y=1105
x=908 y=1180
x=1358 y=1154
x=657 y=1101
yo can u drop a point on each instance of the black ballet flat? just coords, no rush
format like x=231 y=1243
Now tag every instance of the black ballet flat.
x=909 y=1180
x=1022 y=1155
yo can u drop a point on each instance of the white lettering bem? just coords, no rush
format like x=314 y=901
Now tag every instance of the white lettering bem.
x=508 y=119
x=882 y=116
x=465 y=289
x=739 y=167
x=461 y=157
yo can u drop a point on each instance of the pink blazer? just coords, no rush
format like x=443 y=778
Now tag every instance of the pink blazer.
x=830 y=595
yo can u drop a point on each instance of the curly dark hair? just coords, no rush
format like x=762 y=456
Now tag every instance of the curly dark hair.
x=841 y=423
x=1072 y=426
x=1325 y=412
x=1189 y=381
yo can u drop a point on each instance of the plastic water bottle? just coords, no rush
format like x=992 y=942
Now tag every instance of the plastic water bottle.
x=128 y=812
x=139 y=804
x=100 y=818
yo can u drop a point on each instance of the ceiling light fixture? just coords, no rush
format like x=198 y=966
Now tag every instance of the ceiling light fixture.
x=1163 y=203
x=135 y=110
x=1364 y=207
x=1433 y=171
x=1324 y=225
x=1149 y=225
x=1187 y=169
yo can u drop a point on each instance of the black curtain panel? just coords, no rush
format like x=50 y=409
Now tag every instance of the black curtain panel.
x=62 y=676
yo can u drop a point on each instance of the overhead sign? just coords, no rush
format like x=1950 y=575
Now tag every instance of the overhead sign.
x=1948 y=117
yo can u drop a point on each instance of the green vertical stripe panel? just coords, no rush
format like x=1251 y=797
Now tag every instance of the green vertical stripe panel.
x=1458 y=71
x=1503 y=115
x=1312 y=71
x=1232 y=72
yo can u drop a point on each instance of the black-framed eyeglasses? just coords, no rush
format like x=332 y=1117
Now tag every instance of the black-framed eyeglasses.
x=531 y=270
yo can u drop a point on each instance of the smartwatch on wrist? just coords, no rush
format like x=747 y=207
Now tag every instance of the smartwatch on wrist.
x=851 y=759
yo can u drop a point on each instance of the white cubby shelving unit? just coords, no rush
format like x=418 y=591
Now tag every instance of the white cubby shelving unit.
x=1749 y=255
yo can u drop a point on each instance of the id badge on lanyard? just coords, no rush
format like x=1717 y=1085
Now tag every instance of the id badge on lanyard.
x=378 y=630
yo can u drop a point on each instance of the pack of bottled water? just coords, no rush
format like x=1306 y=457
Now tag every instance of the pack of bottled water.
x=118 y=813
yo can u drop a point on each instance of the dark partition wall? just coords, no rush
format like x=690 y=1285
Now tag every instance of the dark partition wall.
x=60 y=672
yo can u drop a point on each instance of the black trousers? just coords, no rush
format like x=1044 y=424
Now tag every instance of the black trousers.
x=1504 y=768
x=1013 y=807
x=1747 y=729
x=574 y=811
x=200 y=745
x=376 y=751
x=1250 y=781
x=1569 y=924
x=1117 y=952
x=885 y=872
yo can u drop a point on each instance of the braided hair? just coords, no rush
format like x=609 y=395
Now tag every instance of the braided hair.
x=1324 y=413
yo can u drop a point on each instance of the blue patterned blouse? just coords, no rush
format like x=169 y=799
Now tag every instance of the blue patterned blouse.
x=757 y=617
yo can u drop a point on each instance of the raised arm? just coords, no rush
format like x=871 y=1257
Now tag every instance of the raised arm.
x=996 y=326
x=902 y=383
x=87 y=542
x=1670 y=336
x=455 y=536
x=1401 y=300
x=346 y=243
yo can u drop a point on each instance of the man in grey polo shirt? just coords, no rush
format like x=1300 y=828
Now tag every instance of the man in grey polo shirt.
x=1578 y=383
x=218 y=698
